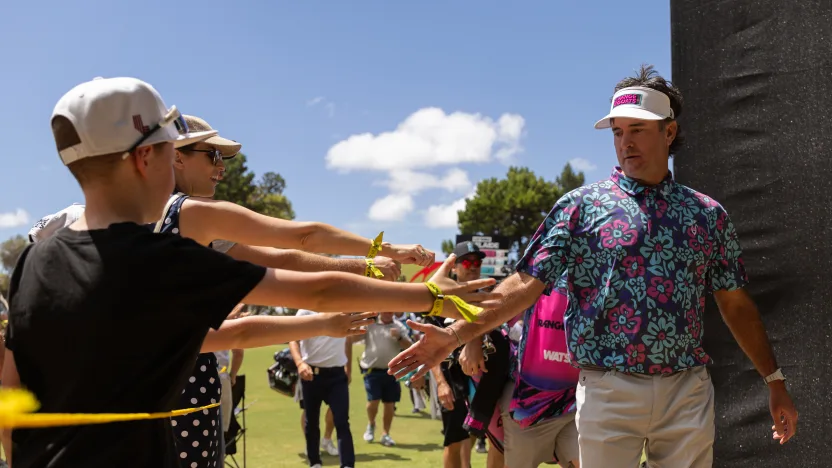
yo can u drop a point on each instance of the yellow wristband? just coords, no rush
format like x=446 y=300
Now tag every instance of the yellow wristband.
x=375 y=246
x=468 y=311
x=17 y=411
x=372 y=270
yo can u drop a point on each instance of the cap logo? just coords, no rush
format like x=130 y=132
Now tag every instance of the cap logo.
x=139 y=125
x=470 y=246
x=634 y=99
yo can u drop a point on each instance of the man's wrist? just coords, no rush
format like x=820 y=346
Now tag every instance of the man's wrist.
x=775 y=377
x=461 y=330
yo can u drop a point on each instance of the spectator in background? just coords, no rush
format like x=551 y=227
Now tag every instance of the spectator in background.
x=325 y=371
x=383 y=340
x=451 y=383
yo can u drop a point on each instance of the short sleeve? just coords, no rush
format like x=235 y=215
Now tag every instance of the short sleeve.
x=547 y=254
x=726 y=270
x=198 y=280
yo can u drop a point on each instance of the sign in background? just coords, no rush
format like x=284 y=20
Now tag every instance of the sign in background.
x=496 y=248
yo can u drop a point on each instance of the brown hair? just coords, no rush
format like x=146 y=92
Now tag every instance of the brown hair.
x=86 y=170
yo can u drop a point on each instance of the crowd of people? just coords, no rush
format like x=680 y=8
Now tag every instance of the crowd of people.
x=589 y=355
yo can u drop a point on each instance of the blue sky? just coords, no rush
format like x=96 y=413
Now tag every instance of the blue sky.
x=309 y=87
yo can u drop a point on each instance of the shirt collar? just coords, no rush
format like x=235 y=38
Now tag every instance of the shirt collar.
x=634 y=187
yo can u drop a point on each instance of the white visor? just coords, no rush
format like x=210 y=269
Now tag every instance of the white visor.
x=638 y=103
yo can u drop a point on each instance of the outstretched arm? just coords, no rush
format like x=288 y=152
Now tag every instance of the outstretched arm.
x=518 y=292
x=296 y=260
x=205 y=220
x=259 y=330
x=341 y=292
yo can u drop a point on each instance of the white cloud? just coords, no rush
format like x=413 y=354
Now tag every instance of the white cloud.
x=412 y=182
x=430 y=138
x=329 y=106
x=14 y=219
x=315 y=101
x=393 y=207
x=581 y=164
x=444 y=216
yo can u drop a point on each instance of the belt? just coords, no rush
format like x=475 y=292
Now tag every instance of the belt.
x=591 y=367
x=317 y=370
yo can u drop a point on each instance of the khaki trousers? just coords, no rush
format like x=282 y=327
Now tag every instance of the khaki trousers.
x=670 y=417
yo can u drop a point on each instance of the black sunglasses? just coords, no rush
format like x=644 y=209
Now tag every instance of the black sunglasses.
x=214 y=154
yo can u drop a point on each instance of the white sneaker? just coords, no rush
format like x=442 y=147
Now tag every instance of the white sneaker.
x=329 y=447
x=317 y=466
x=387 y=441
x=370 y=433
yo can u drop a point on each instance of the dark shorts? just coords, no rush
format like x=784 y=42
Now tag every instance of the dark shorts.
x=452 y=423
x=382 y=386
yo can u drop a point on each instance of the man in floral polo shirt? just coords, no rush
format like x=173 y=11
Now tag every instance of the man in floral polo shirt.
x=638 y=253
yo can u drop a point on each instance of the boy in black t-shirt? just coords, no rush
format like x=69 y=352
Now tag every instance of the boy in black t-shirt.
x=118 y=302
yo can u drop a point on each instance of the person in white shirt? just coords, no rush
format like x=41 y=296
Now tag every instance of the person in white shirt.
x=325 y=374
x=384 y=339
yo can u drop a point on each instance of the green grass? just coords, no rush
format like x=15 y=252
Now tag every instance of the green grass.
x=275 y=438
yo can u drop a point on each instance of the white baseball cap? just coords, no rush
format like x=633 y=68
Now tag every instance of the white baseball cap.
x=638 y=102
x=50 y=224
x=112 y=115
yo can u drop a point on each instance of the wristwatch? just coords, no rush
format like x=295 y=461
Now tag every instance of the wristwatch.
x=777 y=375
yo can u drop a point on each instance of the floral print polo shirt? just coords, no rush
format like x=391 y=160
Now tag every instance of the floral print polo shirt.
x=637 y=261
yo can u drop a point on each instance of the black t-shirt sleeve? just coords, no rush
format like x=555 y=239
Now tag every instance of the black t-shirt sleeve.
x=200 y=281
x=14 y=285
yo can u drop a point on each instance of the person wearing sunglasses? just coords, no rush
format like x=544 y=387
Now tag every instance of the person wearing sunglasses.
x=198 y=166
x=196 y=179
x=130 y=308
x=451 y=383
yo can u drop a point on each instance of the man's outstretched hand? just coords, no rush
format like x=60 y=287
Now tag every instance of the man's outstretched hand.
x=431 y=349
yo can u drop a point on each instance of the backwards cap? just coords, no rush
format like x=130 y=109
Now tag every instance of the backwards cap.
x=110 y=115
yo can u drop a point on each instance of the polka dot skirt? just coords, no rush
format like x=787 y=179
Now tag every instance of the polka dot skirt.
x=199 y=435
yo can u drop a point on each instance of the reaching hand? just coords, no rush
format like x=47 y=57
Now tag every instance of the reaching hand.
x=418 y=384
x=471 y=359
x=433 y=347
x=341 y=325
x=390 y=268
x=783 y=412
x=409 y=254
x=305 y=372
x=468 y=291
x=445 y=395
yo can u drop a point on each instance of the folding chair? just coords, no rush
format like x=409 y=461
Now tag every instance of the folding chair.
x=237 y=432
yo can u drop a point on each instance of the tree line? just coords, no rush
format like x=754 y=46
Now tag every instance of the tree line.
x=513 y=206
